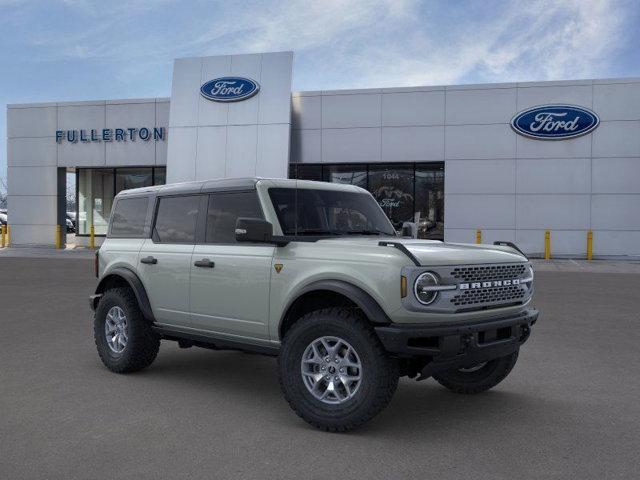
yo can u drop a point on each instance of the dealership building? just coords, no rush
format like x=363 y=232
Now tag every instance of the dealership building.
x=513 y=160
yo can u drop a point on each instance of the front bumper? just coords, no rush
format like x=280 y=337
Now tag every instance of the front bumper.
x=447 y=346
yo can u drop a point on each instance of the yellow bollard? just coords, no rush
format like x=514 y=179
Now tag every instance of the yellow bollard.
x=58 y=237
x=4 y=235
x=478 y=236
x=8 y=234
x=589 y=245
x=547 y=244
x=92 y=237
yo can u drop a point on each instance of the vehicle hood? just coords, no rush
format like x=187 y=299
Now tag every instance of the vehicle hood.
x=434 y=252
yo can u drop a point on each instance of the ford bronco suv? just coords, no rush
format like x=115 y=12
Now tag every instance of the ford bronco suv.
x=314 y=274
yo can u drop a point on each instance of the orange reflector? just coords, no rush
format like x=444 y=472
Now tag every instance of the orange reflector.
x=403 y=286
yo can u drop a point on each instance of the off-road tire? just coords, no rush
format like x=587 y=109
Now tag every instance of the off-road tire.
x=142 y=344
x=480 y=380
x=379 y=372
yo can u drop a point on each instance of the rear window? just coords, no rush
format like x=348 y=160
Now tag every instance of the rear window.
x=128 y=217
x=176 y=219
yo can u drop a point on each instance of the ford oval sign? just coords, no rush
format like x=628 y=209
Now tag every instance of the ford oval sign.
x=229 y=89
x=555 y=122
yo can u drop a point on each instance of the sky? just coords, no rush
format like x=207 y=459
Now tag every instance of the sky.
x=87 y=50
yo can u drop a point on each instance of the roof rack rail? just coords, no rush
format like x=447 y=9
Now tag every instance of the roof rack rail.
x=400 y=246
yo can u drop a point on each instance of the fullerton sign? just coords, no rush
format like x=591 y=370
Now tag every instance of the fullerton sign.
x=555 y=122
x=110 y=135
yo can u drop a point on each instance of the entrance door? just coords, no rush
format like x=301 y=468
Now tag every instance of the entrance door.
x=230 y=281
x=164 y=263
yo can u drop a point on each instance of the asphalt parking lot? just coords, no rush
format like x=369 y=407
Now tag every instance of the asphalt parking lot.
x=569 y=409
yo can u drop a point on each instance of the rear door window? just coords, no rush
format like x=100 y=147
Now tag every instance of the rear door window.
x=176 y=219
x=224 y=209
x=128 y=217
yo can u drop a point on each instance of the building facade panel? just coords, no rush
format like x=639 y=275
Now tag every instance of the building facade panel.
x=557 y=175
x=616 y=175
x=351 y=145
x=618 y=101
x=306 y=146
x=351 y=111
x=485 y=106
x=32 y=122
x=32 y=152
x=552 y=211
x=484 y=211
x=413 y=144
x=615 y=212
x=480 y=176
x=32 y=180
x=617 y=139
x=479 y=142
x=404 y=109
x=306 y=111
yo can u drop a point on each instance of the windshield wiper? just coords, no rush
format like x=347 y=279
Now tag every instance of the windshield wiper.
x=366 y=232
x=319 y=231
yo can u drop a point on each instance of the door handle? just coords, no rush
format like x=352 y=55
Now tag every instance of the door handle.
x=149 y=260
x=204 y=263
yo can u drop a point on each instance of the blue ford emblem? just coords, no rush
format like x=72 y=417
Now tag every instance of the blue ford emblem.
x=555 y=122
x=229 y=89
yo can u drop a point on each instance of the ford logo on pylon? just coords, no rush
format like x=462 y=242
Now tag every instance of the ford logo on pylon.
x=229 y=89
x=555 y=122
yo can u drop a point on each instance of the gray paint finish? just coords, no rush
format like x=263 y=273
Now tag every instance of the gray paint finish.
x=511 y=187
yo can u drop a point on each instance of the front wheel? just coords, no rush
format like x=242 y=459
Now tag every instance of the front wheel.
x=477 y=378
x=333 y=370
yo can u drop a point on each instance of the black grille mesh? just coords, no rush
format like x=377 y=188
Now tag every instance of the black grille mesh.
x=489 y=272
x=489 y=295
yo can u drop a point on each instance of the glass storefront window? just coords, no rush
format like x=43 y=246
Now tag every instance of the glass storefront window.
x=407 y=192
x=350 y=174
x=127 y=178
x=309 y=172
x=393 y=187
x=429 y=209
x=95 y=197
x=159 y=176
x=98 y=186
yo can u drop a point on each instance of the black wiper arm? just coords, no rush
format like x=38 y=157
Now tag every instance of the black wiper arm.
x=366 y=232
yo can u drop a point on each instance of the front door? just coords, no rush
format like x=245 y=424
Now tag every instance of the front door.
x=229 y=280
x=164 y=263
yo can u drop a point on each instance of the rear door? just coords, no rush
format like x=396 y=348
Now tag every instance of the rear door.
x=164 y=263
x=229 y=280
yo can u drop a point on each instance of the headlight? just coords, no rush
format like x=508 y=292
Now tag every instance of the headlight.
x=424 y=288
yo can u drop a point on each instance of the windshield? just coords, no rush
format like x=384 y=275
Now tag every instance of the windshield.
x=328 y=212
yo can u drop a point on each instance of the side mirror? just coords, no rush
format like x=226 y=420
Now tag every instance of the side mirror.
x=254 y=230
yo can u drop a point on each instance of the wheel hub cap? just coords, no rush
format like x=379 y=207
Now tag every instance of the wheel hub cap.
x=116 y=329
x=331 y=370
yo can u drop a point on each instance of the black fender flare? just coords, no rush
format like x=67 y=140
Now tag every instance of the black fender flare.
x=134 y=283
x=362 y=299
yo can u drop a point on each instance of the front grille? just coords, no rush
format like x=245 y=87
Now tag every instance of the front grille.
x=489 y=272
x=510 y=293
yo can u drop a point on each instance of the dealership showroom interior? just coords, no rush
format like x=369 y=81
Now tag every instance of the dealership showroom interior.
x=294 y=239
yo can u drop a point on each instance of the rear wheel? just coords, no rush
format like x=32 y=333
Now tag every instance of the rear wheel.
x=333 y=370
x=477 y=378
x=123 y=337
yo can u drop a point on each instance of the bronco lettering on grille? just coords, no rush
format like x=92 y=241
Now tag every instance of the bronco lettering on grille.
x=493 y=283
